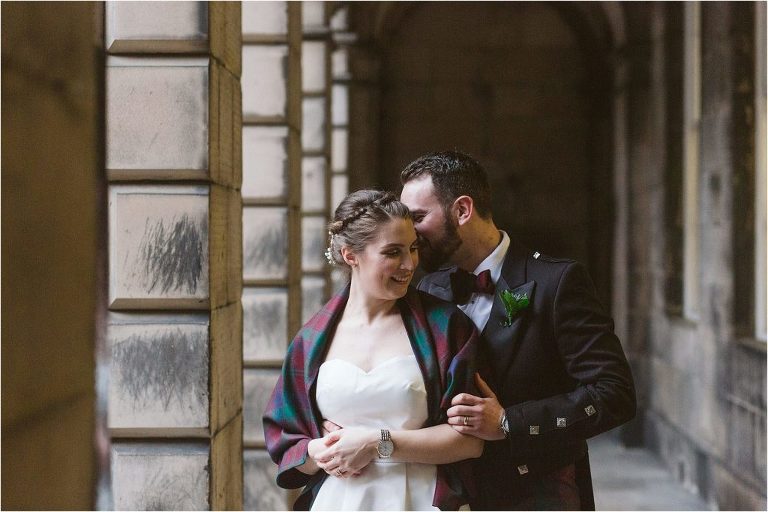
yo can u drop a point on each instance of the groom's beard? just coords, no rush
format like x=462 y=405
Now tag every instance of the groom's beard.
x=433 y=254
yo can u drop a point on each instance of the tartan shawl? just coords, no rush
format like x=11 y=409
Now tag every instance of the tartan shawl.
x=444 y=341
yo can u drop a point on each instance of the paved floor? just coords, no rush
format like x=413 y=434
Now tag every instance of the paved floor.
x=634 y=479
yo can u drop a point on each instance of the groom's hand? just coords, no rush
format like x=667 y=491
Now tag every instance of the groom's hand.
x=482 y=413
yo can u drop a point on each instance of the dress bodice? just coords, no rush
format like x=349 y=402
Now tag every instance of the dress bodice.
x=391 y=395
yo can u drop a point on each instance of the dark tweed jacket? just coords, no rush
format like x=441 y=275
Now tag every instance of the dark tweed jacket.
x=558 y=370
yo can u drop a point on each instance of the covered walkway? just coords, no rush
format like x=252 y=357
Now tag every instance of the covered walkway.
x=635 y=479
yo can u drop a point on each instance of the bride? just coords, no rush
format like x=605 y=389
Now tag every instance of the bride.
x=382 y=361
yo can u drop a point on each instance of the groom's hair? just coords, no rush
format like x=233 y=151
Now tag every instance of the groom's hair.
x=453 y=174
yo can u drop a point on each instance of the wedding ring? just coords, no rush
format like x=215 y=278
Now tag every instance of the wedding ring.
x=466 y=420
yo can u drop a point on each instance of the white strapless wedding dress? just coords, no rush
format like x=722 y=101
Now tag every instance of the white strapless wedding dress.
x=392 y=396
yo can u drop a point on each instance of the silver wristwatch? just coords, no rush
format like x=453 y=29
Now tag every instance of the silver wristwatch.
x=504 y=424
x=385 y=446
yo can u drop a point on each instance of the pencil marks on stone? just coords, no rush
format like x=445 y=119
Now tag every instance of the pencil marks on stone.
x=265 y=320
x=172 y=254
x=265 y=243
x=257 y=388
x=158 y=246
x=158 y=375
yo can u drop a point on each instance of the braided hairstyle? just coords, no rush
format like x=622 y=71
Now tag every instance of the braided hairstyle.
x=357 y=219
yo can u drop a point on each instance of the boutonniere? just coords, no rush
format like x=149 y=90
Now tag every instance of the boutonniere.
x=513 y=303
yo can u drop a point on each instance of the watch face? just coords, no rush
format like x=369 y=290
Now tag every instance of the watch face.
x=386 y=448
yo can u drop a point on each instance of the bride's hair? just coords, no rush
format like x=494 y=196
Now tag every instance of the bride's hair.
x=357 y=219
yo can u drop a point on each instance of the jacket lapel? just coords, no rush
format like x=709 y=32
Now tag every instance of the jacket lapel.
x=503 y=339
x=439 y=284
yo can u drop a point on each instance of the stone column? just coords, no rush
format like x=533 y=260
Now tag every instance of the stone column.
x=54 y=282
x=271 y=223
x=315 y=147
x=173 y=158
x=340 y=76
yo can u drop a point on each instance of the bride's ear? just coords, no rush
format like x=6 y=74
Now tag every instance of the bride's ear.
x=350 y=258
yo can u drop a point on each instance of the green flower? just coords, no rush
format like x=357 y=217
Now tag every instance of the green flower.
x=513 y=303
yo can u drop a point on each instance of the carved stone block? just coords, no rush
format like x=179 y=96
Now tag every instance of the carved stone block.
x=158 y=27
x=265 y=18
x=158 y=247
x=160 y=476
x=265 y=324
x=265 y=161
x=313 y=76
x=157 y=111
x=313 y=124
x=259 y=489
x=158 y=375
x=258 y=385
x=313 y=169
x=314 y=241
x=265 y=81
x=265 y=243
x=312 y=296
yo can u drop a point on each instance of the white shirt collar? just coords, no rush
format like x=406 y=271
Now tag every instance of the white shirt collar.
x=495 y=261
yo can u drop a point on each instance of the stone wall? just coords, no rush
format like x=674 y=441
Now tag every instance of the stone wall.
x=701 y=378
x=54 y=280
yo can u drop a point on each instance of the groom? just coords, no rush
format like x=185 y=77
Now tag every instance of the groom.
x=558 y=371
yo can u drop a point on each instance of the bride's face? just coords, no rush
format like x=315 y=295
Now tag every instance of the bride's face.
x=386 y=265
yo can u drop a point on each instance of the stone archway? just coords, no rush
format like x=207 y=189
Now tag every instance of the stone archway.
x=527 y=88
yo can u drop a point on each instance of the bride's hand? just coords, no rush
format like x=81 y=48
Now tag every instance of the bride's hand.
x=348 y=451
x=317 y=446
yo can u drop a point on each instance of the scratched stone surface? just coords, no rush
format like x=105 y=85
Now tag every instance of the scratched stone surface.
x=259 y=489
x=160 y=476
x=312 y=296
x=265 y=243
x=158 y=374
x=159 y=243
x=265 y=324
x=158 y=114
x=257 y=388
x=265 y=162
x=314 y=242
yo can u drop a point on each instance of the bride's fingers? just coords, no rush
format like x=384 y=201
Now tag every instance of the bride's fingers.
x=332 y=438
x=326 y=454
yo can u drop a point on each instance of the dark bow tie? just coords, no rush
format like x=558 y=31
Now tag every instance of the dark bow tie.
x=464 y=284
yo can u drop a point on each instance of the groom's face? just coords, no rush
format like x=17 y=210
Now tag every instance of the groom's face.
x=438 y=235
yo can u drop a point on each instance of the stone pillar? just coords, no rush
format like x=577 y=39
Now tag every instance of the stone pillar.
x=54 y=281
x=272 y=187
x=173 y=158
x=340 y=77
x=315 y=147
